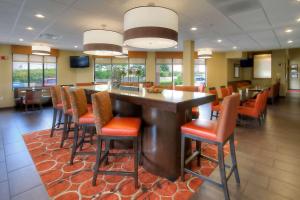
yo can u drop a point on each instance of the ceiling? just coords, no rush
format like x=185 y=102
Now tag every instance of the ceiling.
x=246 y=24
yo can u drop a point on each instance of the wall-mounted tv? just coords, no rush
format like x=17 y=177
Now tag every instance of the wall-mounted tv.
x=247 y=63
x=79 y=61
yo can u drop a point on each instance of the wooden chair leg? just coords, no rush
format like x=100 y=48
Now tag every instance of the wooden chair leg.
x=74 y=147
x=107 y=146
x=136 y=162
x=211 y=114
x=222 y=171
x=82 y=137
x=98 y=158
x=233 y=158
x=140 y=149
x=53 y=121
x=198 y=148
x=182 y=157
x=64 y=135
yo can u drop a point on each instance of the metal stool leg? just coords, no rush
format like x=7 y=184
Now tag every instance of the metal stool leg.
x=64 y=135
x=182 y=157
x=222 y=171
x=53 y=121
x=74 y=147
x=98 y=157
x=233 y=158
x=136 y=162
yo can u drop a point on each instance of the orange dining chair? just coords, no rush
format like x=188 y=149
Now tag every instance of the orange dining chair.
x=216 y=133
x=57 y=108
x=229 y=89
x=224 y=91
x=255 y=111
x=114 y=128
x=83 y=118
x=32 y=97
x=215 y=106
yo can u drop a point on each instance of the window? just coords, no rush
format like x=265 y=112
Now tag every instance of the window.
x=33 y=70
x=169 y=71
x=102 y=69
x=200 y=72
x=138 y=66
x=131 y=70
x=262 y=66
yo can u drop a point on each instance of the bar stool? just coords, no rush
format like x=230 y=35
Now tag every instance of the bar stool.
x=83 y=118
x=215 y=106
x=216 y=133
x=68 y=113
x=57 y=108
x=114 y=128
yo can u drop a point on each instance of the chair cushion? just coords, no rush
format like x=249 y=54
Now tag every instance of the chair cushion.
x=216 y=107
x=195 y=112
x=87 y=118
x=201 y=128
x=248 y=111
x=122 y=126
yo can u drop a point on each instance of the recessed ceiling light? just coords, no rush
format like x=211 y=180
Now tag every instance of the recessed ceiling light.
x=219 y=40
x=194 y=28
x=289 y=30
x=21 y=39
x=298 y=20
x=290 y=41
x=40 y=16
x=29 y=28
x=75 y=46
x=234 y=47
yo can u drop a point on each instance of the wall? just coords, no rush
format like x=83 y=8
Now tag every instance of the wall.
x=230 y=70
x=6 y=92
x=150 y=67
x=294 y=55
x=217 y=70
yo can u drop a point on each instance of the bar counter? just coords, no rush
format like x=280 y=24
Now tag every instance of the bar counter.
x=162 y=115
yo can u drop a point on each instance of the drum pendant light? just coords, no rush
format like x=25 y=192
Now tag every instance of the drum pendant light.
x=102 y=42
x=41 y=50
x=124 y=53
x=150 y=27
x=204 y=53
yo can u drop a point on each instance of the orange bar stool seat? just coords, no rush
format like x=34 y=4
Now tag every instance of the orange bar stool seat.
x=215 y=106
x=216 y=133
x=57 y=108
x=111 y=128
x=83 y=118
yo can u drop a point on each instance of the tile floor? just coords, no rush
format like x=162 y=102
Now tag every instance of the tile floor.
x=268 y=156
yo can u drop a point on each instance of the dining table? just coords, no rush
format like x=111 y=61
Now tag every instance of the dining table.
x=162 y=116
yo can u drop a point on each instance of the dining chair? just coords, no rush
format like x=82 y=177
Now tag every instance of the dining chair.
x=57 y=108
x=224 y=91
x=32 y=97
x=216 y=133
x=229 y=89
x=83 y=119
x=68 y=113
x=110 y=128
x=215 y=105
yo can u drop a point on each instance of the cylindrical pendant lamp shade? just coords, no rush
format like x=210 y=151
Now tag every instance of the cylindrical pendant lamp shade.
x=41 y=50
x=124 y=53
x=204 y=53
x=102 y=43
x=150 y=27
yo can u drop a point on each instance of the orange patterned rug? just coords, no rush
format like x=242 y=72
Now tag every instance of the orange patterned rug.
x=64 y=181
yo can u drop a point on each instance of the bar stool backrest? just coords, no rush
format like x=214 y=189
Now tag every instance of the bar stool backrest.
x=65 y=97
x=78 y=103
x=227 y=121
x=102 y=109
x=55 y=95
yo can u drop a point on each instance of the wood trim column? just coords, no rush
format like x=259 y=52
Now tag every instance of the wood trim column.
x=188 y=62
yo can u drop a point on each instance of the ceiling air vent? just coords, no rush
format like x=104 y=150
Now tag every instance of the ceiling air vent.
x=49 y=36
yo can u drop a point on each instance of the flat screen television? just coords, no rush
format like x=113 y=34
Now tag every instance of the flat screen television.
x=247 y=63
x=79 y=61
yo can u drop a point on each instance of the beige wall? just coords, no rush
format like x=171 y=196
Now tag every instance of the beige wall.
x=6 y=92
x=217 y=70
x=230 y=70
x=188 y=62
x=150 y=67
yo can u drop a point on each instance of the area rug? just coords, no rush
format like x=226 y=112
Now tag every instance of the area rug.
x=65 y=181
